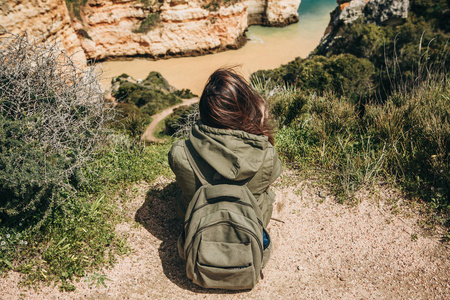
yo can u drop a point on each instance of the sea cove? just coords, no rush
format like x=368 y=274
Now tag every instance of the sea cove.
x=267 y=47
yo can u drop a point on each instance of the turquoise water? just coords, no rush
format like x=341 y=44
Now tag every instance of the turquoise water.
x=267 y=48
x=311 y=7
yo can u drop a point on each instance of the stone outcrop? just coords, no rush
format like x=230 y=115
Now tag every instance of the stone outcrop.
x=387 y=12
x=44 y=20
x=105 y=29
x=182 y=27
x=380 y=12
x=280 y=13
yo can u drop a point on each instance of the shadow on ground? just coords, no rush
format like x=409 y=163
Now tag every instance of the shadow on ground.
x=158 y=216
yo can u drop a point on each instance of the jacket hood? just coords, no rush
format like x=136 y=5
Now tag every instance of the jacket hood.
x=234 y=154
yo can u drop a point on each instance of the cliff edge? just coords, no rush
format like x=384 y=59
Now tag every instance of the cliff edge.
x=102 y=29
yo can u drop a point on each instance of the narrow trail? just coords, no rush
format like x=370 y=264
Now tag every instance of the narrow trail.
x=148 y=135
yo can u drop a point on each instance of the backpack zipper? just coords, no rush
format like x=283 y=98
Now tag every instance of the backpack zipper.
x=226 y=222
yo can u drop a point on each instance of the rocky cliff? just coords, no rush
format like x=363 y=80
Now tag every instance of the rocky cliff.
x=380 y=12
x=153 y=28
x=44 y=20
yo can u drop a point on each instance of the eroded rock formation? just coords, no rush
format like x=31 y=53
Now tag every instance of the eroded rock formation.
x=156 y=28
x=44 y=20
x=380 y=12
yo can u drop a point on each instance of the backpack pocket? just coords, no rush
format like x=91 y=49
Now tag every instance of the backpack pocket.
x=225 y=255
x=226 y=265
x=235 y=279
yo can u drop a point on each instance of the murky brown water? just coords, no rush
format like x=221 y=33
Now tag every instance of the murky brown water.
x=267 y=48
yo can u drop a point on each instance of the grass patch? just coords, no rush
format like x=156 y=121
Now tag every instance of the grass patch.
x=78 y=237
x=160 y=132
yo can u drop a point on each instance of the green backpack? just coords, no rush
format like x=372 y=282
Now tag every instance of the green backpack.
x=222 y=241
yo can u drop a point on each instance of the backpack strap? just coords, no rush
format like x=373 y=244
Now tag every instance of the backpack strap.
x=188 y=148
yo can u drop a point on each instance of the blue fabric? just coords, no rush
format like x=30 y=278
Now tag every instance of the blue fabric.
x=266 y=240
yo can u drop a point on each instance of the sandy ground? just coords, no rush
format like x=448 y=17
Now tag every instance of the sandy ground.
x=322 y=250
x=148 y=135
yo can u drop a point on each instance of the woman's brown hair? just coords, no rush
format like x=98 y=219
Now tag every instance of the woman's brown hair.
x=229 y=102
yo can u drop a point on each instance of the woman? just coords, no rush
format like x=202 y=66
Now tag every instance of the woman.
x=233 y=137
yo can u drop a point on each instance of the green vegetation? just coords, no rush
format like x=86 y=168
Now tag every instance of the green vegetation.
x=375 y=107
x=74 y=7
x=181 y=120
x=149 y=23
x=185 y=94
x=61 y=168
x=214 y=5
x=343 y=74
x=405 y=140
x=138 y=101
x=399 y=53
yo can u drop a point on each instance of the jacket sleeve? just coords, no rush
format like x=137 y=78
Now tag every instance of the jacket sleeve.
x=185 y=177
x=276 y=170
x=267 y=198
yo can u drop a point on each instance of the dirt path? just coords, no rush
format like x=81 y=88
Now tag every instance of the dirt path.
x=148 y=135
x=323 y=250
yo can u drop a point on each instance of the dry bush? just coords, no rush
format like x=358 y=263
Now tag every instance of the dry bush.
x=52 y=116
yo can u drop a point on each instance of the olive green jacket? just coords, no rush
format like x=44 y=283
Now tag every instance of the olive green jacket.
x=226 y=155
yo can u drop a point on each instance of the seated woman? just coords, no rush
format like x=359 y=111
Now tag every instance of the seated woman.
x=228 y=158
x=234 y=138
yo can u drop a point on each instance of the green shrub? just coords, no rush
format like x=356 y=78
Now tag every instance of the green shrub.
x=149 y=23
x=406 y=138
x=435 y=12
x=74 y=7
x=139 y=101
x=181 y=119
x=417 y=127
x=156 y=81
x=398 y=53
x=53 y=226
x=52 y=118
x=214 y=5
x=151 y=95
x=78 y=237
x=185 y=94
x=343 y=74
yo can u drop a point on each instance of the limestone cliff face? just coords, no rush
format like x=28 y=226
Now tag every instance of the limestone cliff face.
x=380 y=12
x=179 y=27
x=102 y=29
x=45 y=20
x=280 y=13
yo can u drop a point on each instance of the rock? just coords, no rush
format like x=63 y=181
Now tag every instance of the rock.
x=350 y=12
x=112 y=28
x=380 y=12
x=280 y=13
x=45 y=21
x=387 y=12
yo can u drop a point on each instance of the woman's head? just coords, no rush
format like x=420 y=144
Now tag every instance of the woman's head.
x=228 y=102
